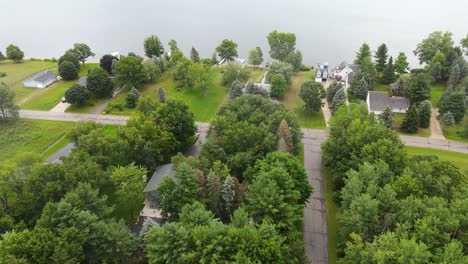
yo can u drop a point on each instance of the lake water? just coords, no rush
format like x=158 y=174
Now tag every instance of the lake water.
x=326 y=30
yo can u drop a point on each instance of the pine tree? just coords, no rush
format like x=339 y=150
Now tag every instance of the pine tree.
x=285 y=139
x=214 y=59
x=131 y=99
x=161 y=95
x=214 y=199
x=447 y=119
x=381 y=58
x=455 y=75
x=194 y=55
x=411 y=121
x=332 y=89
x=389 y=72
x=363 y=54
x=236 y=89
x=425 y=111
x=359 y=88
x=401 y=63
x=229 y=195
x=387 y=117
x=339 y=99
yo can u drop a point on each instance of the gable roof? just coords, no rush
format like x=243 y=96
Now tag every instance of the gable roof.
x=161 y=171
x=378 y=101
x=82 y=81
x=42 y=77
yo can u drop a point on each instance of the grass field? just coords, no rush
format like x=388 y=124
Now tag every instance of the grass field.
x=455 y=133
x=332 y=223
x=437 y=90
x=458 y=159
x=34 y=136
x=378 y=86
x=256 y=74
x=294 y=104
x=17 y=72
x=46 y=99
x=204 y=107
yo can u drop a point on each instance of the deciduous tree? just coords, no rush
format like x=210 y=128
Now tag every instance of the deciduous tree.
x=436 y=41
x=131 y=98
x=234 y=72
x=332 y=89
x=153 y=47
x=68 y=71
x=175 y=117
x=99 y=83
x=281 y=44
x=106 y=62
x=282 y=68
x=295 y=59
x=14 y=53
x=279 y=86
x=401 y=63
x=83 y=51
x=77 y=94
x=312 y=94
x=255 y=56
x=453 y=102
x=8 y=107
x=130 y=71
x=227 y=50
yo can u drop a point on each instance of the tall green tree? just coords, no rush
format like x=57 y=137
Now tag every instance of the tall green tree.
x=200 y=76
x=455 y=76
x=234 y=72
x=332 y=89
x=425 y=112
x=464 y=44
x=255 y=56
x=68 y=71
x=339 y=99
x=381 y=57
x=279 y=86
x=401 y=63
x=282 y=68
x=173 y=46
x=363 y=54
x=285 y=140
x=77 y=94
x=129 y=182
x=387 y=117
x=130 y=71
x=295 y=59
x=82 y=51
x=175 y=117
x=438 y=67
x=194 y=56
x=14 y=53
x=436 y=41
x=281 y=44
x=236 y=89
x=359 y=88
x=389 y=72
x=70 y=56
x=99 y=82
x=453 y=102
x=132 y=97
x=411 y=121
x=153 y=47
x=312 y=93
x=418 y=88
x=227 y=50
x=8 y=107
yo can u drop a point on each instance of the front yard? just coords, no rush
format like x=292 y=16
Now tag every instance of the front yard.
x=294 y=104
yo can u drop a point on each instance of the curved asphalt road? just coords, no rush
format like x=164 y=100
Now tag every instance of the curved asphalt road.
x=315 y=226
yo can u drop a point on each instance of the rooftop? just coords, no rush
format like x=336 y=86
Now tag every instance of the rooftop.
x=378 y=101
x=42 y=76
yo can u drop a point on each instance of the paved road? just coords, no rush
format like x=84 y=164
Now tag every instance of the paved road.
x=100 y=108
x=103 y=119
x=55 y=158
x=315 y=225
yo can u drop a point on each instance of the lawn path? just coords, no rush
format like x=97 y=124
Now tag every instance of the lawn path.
x=436 y=130
x=326 y=107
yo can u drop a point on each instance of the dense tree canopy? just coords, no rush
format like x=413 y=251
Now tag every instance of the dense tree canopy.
x=82 y=51
x=77 y=94
x=279 y=86
x=153 y=47
x=436 y=41
x=281 y=44
x=99 y=83
x=282 y=68
x=363 y=54
x=106 y=62
x=227 y=50
x=68 y=71
x=129 y=70
x=381 y=58
x=234 y=72
x=312 y=93
x=417 y=88
x=255 y=56
x=401 y=63
x=14 y=53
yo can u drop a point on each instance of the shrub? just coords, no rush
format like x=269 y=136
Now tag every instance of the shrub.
x=68 y=71
x=131 y=99
x=117 y=105
x=447 y=119
x=278 y=86
x=304 y=68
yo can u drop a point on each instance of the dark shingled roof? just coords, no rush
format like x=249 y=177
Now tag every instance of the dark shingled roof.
x=42 y=76
x=378 y=101
x=161 y=171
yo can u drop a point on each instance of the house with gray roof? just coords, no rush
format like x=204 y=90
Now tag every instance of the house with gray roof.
x=40 y=80
x=378 y=101
x=345 y=72
x=82 y=81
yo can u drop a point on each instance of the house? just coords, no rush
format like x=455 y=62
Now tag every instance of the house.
x=82 y=81
x=40 y=80
x=321 y=74
x=150 y=209
x=378 y=101
x=345 y=72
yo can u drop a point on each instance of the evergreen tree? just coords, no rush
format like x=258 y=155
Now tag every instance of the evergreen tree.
x=332 y=89
x=161 y=95
x=387 y=117
x=194 y=55
x=339 y=99
x=381 y=58
x=131 y=99
x=229 y=194
x=399 y=87
x=453 y=102
x=425 y=111
x=359 y=88
x=214 y=59
x=411 y=121
x=312 y=94
x=401 y=63
x=455 y=76
x=236 y=89
x=447 y=119
x=363 y=54
x=285 y=139
x=214 y=193
x=465 y=126
x=389 y=72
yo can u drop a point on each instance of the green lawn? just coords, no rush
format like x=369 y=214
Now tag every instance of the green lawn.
x=458 y=159
x=398 y=120
x=204 y=107
x=437 y=90
x=332 y=223
x=87 y=107
x=378 y=86
x=48 y=98
x=17 y=72
x=35 y=136
x=294 y=104
x=455 y=132
x=256 y=74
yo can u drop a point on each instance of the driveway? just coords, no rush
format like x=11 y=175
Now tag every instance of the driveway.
x=60 y=107
x=436 y=130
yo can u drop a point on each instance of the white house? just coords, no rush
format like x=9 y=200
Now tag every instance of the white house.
x=40 y=80
x=345 y=72
x=378 y=101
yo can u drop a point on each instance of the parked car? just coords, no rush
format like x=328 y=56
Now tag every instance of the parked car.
x=64 y=100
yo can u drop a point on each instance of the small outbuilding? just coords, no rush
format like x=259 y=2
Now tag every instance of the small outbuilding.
x=82 y=81
x=41 y=79
x=378 y=101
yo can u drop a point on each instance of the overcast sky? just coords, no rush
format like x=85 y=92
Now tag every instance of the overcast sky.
x=329 y=30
